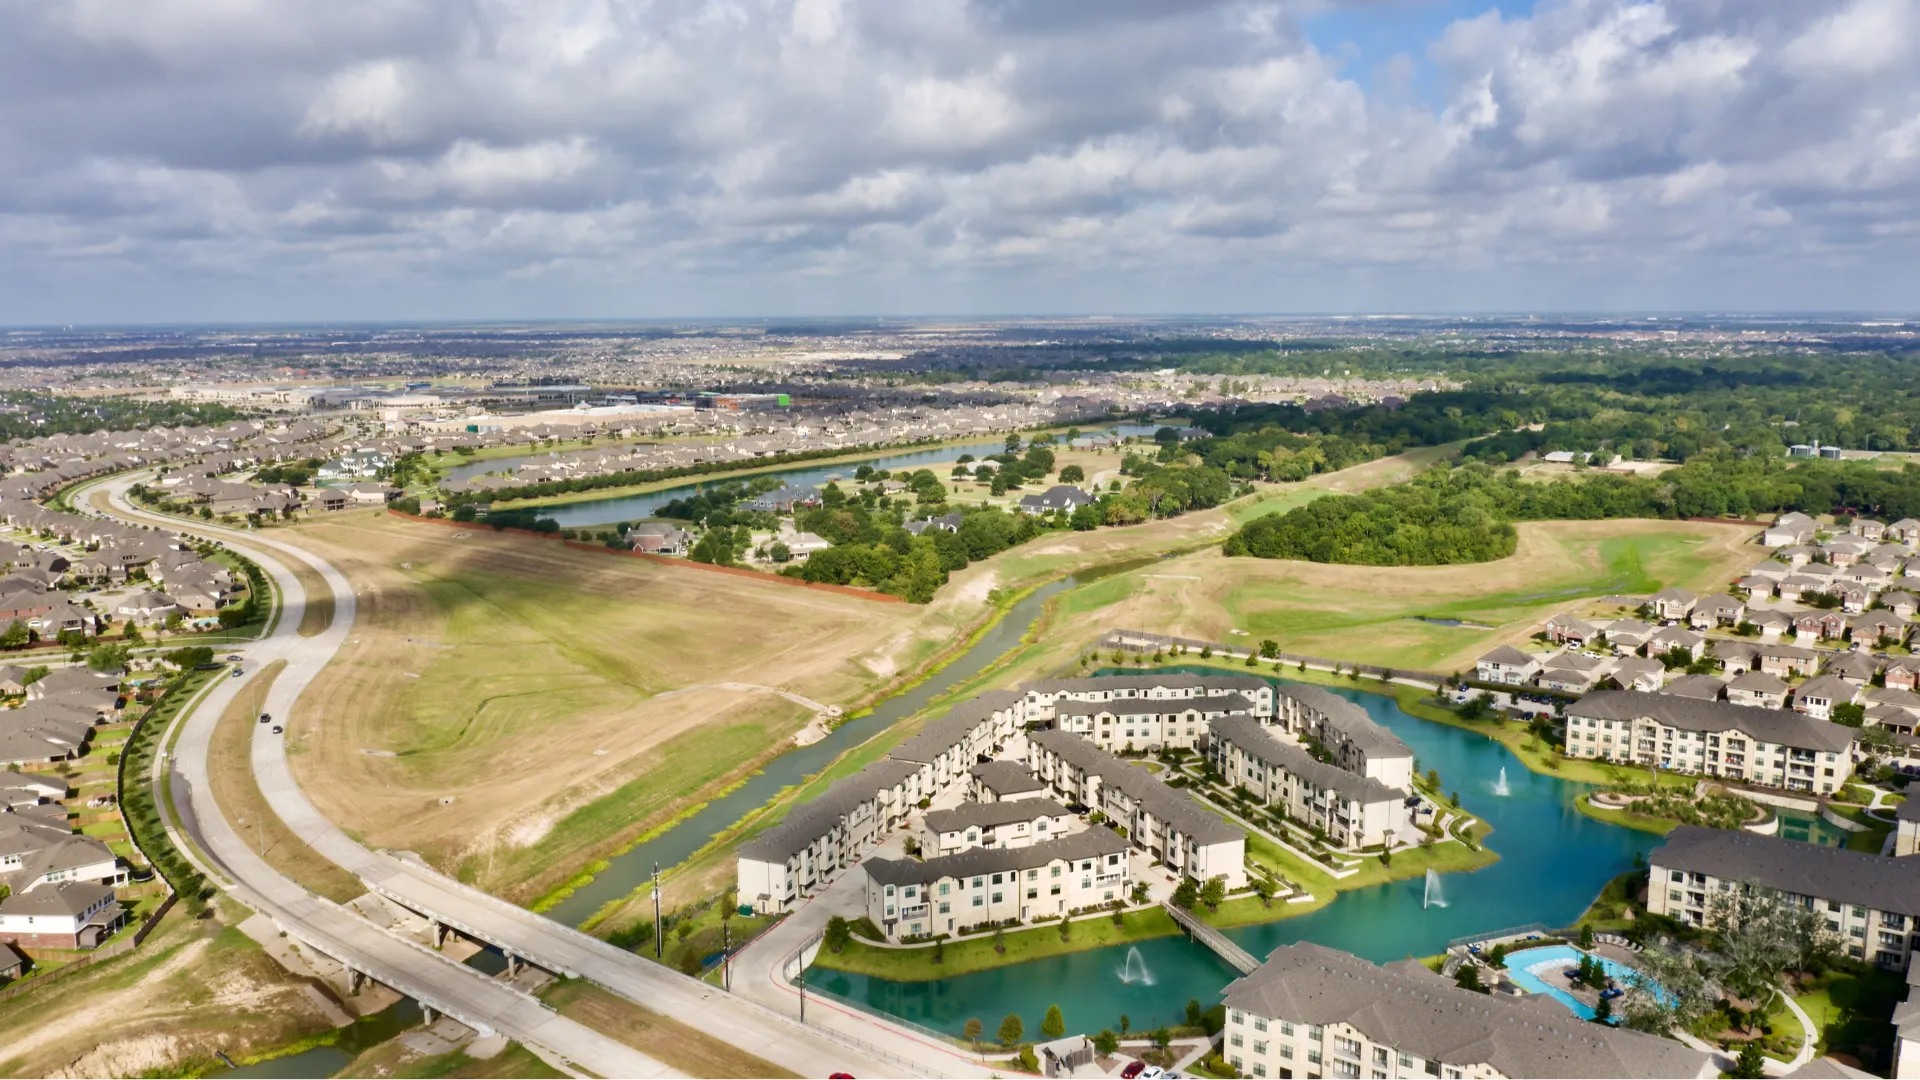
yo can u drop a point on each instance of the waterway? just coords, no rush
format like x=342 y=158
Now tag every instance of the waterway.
x=632 y=869
x=1553 y=862
x=587 y=512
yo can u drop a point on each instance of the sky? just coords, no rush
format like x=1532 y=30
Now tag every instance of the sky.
x=286 y=160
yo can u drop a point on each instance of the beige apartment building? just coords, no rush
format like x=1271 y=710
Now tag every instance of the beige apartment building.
x=1353 y=810
x=985 y=887
x=1872 y=902
x=1772 y=747
x=1311 y=1011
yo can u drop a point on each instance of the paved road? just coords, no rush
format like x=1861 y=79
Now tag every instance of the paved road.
x=465 y=993
x=549 y=944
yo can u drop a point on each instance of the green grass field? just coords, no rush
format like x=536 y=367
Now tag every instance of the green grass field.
x=979 y=954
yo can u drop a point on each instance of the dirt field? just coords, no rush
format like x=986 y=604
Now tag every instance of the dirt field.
x=508 y=704
x=679 y=1045
x=196 y=986
x=230 y=772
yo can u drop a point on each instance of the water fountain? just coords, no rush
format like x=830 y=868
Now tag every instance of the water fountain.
x=1500 y=786
x=1135 y=972
x=1433 y=897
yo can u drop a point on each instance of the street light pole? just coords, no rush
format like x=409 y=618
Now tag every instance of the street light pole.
x=802 y=980
x=656 y=911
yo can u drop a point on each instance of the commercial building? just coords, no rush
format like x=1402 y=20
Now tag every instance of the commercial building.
x=1312 y=1011
x=1353 y=810
x=1871 y=902
x=1159 y=820
x=1773 y=747
x=987 y=887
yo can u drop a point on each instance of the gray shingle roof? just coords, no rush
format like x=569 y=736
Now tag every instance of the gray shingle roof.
x=1247 y=733
x=1093 y=843
x=1425 y=1015
x=990 y=815
x=1162 y=801
x=1850 y=877
x=1006 y=777
x=1764 y=725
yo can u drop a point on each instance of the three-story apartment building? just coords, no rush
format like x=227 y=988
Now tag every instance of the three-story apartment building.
x=1773 y=747
x=971 y=890
x=1353 y=810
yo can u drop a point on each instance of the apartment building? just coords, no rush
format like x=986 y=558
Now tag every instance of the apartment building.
x=823 y=837
x=953 y=744
x=1016 y=823
x=1123 y=726
x=1158 y=819
x=1003 y=781
x=955 y=894
x=1311 y=1011
x=1353 y=810
x=1355 y=741
x=1872 y=902
x=1772 y=747
x=1046 y=697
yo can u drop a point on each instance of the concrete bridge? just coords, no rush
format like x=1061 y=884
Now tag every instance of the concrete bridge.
x=1224 y=947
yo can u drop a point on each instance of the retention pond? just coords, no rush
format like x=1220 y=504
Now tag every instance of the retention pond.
x=1553 y=862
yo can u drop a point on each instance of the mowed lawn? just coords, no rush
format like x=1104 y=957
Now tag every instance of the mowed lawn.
x=1373 y=614
x=513 y=710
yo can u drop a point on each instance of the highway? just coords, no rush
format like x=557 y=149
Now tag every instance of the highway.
x=411 y=968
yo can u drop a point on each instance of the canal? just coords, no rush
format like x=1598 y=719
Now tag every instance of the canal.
x=1553 y=862
x=589 y=512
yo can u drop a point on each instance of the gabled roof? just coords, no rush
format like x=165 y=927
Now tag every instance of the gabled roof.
x=1423 y=1014
x=1096 y=842
x=1850 y=877
x=1764 y=725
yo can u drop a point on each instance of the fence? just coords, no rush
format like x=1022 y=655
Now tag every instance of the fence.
x=1509 y=932
x=105 y=952
x=664 y=560
x=1140 y=641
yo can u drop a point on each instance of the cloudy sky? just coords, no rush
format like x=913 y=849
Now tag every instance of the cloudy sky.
x=168 y=160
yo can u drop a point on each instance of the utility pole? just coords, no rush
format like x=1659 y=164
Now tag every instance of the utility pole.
x=801 y=979
x=726 y=958
x=656 y=911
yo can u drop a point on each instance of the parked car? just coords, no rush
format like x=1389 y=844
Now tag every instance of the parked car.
x=1133 y=1070
x=276 y=729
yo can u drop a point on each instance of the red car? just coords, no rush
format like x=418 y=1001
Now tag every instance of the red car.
x=1133 y=1069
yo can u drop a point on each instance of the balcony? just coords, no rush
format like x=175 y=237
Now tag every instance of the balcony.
x=918 y=911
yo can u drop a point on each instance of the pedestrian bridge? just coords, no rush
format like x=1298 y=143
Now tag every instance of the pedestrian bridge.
x=1241 y=959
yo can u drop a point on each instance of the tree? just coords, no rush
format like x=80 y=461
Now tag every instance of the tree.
x=972 y=1031
x=1269 y=648
x=1603 y=1010
x=14 y=636
x=107 y=658
x=1264 y=889
x=1586 y=937
x=1106 y=1043
x=839 y=933
x=1751 y=1064
x=1186 y=893
x=999 y=939
x=1468 y=978
x=1066 y=927
x=1126 y=1022
x=1011 y=1028
x=1686 y=978
x=1194 y=1012
x=1213 y=892
x=1072 y=474
x=1027 y=1061
x=1053 y=1025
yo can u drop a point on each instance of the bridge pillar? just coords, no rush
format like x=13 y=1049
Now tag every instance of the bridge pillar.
x=439 y=933
x=513 y=965
x=354 y=981
x=426 y=1011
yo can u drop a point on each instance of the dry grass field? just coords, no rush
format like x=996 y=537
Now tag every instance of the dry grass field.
x=678 y=1045
x=512 y=707
x=1373 y=614
x=196 y=986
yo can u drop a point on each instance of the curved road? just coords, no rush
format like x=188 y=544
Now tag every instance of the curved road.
x=408 y=966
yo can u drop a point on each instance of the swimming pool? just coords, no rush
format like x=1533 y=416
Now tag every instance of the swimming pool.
x=1523 y=966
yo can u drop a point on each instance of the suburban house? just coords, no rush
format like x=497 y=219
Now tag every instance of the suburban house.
x=986 y=887
x=1717 y=610
x=1059 y=497
x=1314 y=1011
x=1817 y=696
x=1767 y=746
x=1573 y=672
x=1672 y=603
x=659 y=538
x=1871 y=902
x=1508 y=665
x=146 y=607
x=802 y=546
x=1695 y=687
x=1638 y=673
x=70 y=915
x=1757 y=689
x=1793 y=528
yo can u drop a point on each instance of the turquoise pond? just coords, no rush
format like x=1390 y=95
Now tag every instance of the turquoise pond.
x=1554 y=861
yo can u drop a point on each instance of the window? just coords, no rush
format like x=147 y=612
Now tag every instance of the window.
x=1259 y=1069
x=1259 y=1047
x=1316 y=1032
x=1286 y=1052
x=945 y=908
x=889 y=890
x=1237 y=1040
x=1259 y=1023
x=1313 y=1057
x=1054 y=891
x=1286 y=1028
x=1237 y=1017
x=996 y=897
x=943 y=888
x=1033 y=875
x=1056 y=871
x=978 y=900
x=1033 y=894
x=997 y=877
